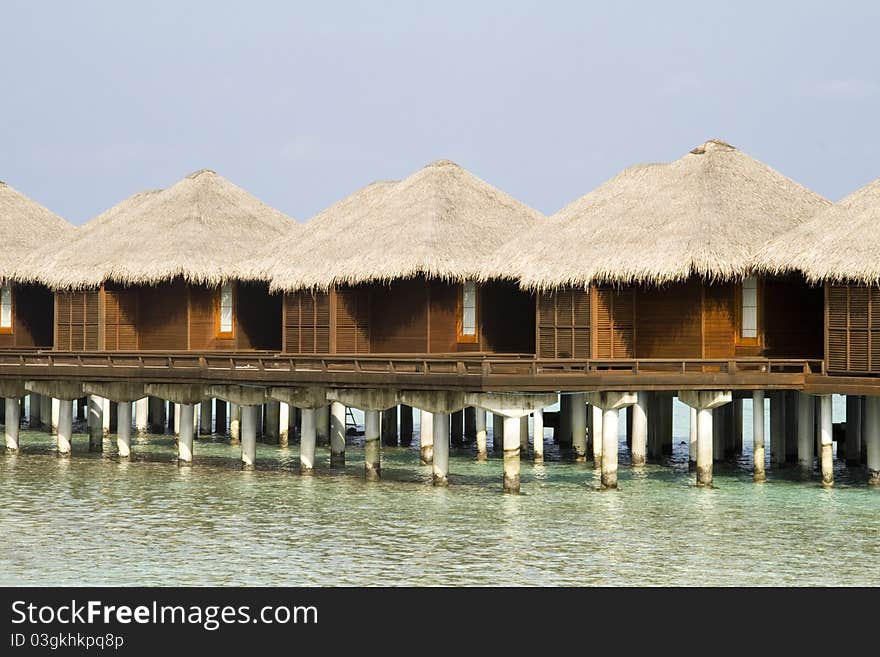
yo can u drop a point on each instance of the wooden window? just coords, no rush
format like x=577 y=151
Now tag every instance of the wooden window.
x=224 y=311
x=467 y=313
x=6 y=309
x=564 y=324
x=307 y=323
x=76 y=321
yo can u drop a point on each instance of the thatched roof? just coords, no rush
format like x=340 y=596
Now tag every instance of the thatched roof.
x=840 y=243
x=27 y=228
x=704 y=214
x=441 y=222
x=204 y=229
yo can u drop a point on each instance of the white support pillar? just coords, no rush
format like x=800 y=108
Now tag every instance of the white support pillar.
x=185 y=413
x=13 y=422
x=249 y=415
x=597 y=436
x=805 y=440
x=141 y=412
x=123 y=430
x=512 y=454
x=609 y=447
x=758 y=435
x=96 y=423
x=692 y=439
x=704 y=447
x=105 y=416
x=307 y=441
x=372 y=451
x=872 y=438
x=826 y=440
x=524 y=435
x=440 y=461
x=206 y=417
x=56 y=409
x=426 y=437
x=578 y=426
x=537 y=434
x=65 y=425
x=639 y=442
x=480 y=421
x=234 y=423
x=283 y=425
x=176 y=419
x=337 y=435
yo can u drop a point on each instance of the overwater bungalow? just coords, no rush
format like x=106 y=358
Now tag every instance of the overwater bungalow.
x=26 y=307
x=837 y=251
x=170 y=270
x=402 y=268
x=657 y=264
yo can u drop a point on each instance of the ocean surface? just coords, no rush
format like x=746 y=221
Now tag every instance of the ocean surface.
x=92 y=519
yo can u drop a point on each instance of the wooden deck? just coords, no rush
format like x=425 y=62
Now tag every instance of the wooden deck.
x=472 y=372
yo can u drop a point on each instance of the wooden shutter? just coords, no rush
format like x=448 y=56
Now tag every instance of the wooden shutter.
x=615 y=322
x=838 y=303
x=564 y=324
x=307 y=323
x=120 y=308
x=352 y=321
x=77 y=321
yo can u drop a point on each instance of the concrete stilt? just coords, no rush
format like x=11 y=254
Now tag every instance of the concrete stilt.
x=406 y=425
x=480 y=421
x=337 y=435
x=597 y=435
x=221 y=419
x=123 y=430
x=176 y=419
x=96 y=423
x=456 y=432
x=470 y=425
x=704 y=447
x=56 y=408
x=156 y=415
x=578 y=424
x=105 y=416
x=497 y=432
x=537 y=434
x=609 y=447
x=777 y=428
x=826 y=438
x=871 y=430
x=284 y=424
x=234 y=423
x=141 y=411
x=389 y=427
x=34 y=414
x=853 y=430
x=307 y=441
x=524 y=436
x=372 y=452
x=563 y=439
x=426 y=437
x=440 y=461
x=13 y=422
x=758 y=434
x=692 y=439
x=186 y=414
x=511 y=454
x=805 y=440
x=273 y=421
x=322 y=424
x=249 y=419
x=206 y=412
x=65 y=426
x=639 y=442
x=46 y=412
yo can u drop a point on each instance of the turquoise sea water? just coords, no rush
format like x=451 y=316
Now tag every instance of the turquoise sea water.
x=92 y=519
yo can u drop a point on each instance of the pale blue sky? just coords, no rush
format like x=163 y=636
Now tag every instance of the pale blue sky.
x=302 y=104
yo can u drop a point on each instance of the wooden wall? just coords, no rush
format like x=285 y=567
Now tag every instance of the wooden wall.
x=719 y=321
x=398 y=318
x=669 y=321
x=852 y=328
x=163 y=320
x=32 y=318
